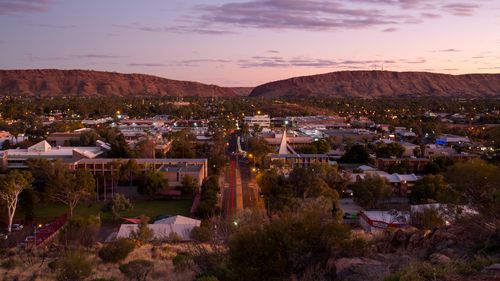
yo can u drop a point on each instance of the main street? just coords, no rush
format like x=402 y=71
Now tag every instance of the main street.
x=240 y=190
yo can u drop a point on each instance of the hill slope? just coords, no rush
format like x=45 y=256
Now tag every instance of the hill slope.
x=371 y=84
x=51 y=82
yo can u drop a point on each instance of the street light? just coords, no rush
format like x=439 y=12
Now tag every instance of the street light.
x=36 y=229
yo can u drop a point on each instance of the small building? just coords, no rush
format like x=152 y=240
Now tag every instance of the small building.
x=175 y=174
x=63 y=138
x=413 y=164
x=379 y=221
x=447 y=139
x=165 y=229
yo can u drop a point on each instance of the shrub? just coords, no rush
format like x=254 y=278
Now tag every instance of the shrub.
x=424 y=271
x=117 y=250
x=74 y=267
x=80 y=231
x=143 y=234
x=201 y=234
x=180 y=262
x=427 y=219
x=52 y=265
x=206 y=278
x=137 y=269
x=9 y=264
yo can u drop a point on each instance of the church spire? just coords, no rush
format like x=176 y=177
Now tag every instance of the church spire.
x=283 y=145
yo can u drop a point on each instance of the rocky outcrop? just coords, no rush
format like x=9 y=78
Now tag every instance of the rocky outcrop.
x=373 y=84
x=52 y=82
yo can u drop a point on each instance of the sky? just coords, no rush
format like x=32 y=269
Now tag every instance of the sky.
x=250 y=42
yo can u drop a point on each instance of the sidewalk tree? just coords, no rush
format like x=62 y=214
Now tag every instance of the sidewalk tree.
x=370 y=190
x=188 y=185
x=151 y=183
x=129 y=170
x=71 y=188
x=11 y=186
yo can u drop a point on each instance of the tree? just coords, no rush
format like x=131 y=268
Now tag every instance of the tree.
x=11 y=186
x=292 y=244
x=431 y=188
x=119 y=203
x=478 y=184
x=188 y=186
x=182 y=145
x=43 y=172
x=130 y=170
x=75 y=266
x=370 y=190
x=259 y=148
x=389 y=150
x=151 y=183
x=27 y=199
x=427 y=219
x=208 y=202
x=137 y=270
x=81 y=231
x=355 y=154
x=71 y=188
x=143 y=234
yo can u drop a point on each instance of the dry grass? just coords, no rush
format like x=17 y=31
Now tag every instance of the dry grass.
x=29 y=264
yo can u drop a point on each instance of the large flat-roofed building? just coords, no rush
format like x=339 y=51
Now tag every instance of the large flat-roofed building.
x=16 y=158
x=173 y=169
x=63 y=138
x=260 y=120
x=106 y=165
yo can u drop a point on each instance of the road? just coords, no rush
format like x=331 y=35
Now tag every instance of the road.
x=240 y=189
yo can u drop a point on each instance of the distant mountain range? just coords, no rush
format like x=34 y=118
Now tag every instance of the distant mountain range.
x=52 y=82
x=363 y=84
x=373 y=84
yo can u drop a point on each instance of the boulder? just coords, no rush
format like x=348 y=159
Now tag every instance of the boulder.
x=439 y=259
x=492 y=267
x=361 y=269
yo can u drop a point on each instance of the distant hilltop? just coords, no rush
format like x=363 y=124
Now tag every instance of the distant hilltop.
x=52 y=82
x=374 y=84
x=360 y=84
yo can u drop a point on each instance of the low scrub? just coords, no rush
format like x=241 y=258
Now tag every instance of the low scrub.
x=117 y=250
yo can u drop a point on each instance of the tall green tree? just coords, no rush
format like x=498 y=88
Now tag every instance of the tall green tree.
x=429 y=189
x=478 y=184
x=369 y=191
x=70 y=188
x=151 y=183
x=356 y=153
x=11 y=187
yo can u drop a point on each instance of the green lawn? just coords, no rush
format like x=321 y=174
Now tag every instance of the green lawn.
x=46 y=212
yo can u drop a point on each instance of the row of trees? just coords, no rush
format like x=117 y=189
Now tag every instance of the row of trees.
x=315 y=181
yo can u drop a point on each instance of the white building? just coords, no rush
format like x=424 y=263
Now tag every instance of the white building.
x=260 y=120
x=16 y=158
x=164 y=229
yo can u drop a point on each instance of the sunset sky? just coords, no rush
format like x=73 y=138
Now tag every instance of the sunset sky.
x=248 y=42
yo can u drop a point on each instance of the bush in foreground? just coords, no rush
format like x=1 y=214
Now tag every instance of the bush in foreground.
x=117 y=250
x=74 y=266
x=137 y=269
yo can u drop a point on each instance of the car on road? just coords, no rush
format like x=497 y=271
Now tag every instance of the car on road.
x=17 y=227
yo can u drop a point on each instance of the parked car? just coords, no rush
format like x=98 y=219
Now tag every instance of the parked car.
x=17 y=227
